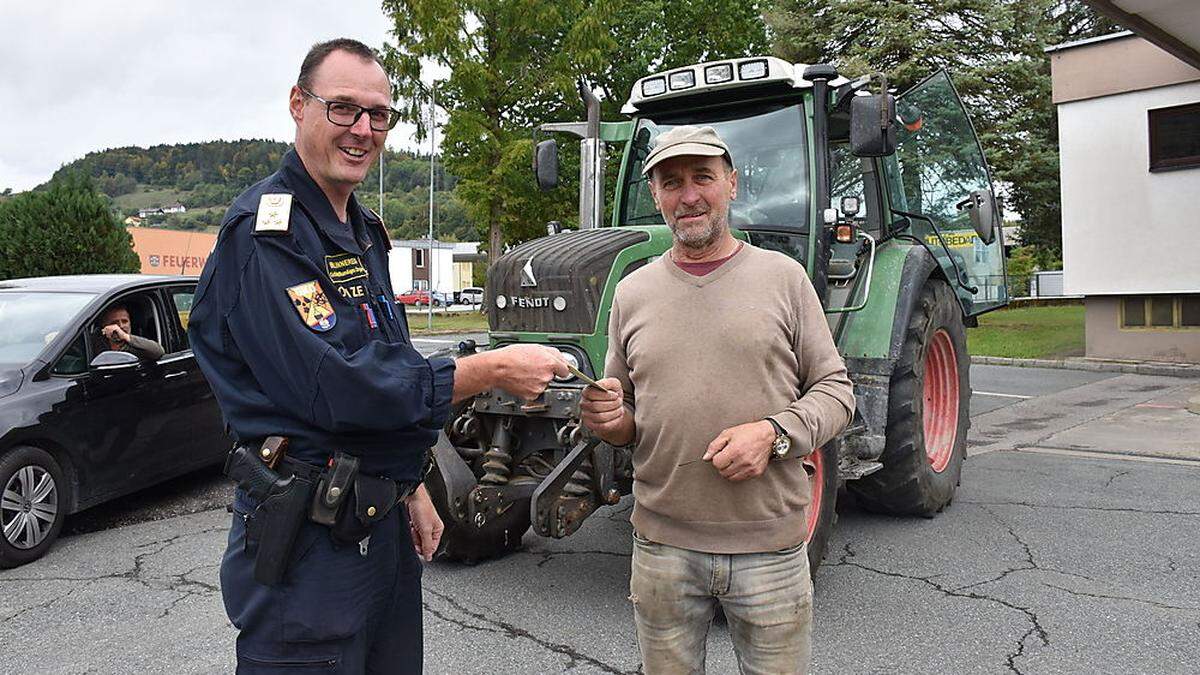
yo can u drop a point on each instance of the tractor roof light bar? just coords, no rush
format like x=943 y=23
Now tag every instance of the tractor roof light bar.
x=714 y=76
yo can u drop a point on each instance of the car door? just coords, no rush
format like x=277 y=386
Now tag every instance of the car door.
x=194 y=434
x=937 y=165
x=117 y=418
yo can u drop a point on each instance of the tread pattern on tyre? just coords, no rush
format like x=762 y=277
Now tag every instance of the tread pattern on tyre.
x=907 y=485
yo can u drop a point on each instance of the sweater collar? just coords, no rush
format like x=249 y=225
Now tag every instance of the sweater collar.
x=735 y=261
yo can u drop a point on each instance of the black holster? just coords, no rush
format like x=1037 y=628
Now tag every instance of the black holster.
x=283 y=505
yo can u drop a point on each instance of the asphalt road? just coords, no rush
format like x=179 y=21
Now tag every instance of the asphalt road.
x=1056 y=556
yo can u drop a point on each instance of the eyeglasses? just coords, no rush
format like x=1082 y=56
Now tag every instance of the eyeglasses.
x=346 y=114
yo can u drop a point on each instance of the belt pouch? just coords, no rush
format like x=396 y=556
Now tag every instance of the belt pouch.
x=372 y=500
x=334 y=489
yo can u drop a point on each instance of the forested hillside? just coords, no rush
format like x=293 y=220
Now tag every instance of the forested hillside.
x=206 y=177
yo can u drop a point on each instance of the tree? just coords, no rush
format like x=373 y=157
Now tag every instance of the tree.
x=65 y=229
x=994 y=50
x=515 y=64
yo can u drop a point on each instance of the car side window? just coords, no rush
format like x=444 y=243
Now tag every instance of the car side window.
x=181 y=309
x=73 y=361
x=145 y=315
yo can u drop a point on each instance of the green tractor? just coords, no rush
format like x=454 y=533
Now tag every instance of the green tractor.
x=886 y=201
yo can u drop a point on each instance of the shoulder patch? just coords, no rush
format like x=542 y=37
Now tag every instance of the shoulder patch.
x=312 y=305
x=274 y=214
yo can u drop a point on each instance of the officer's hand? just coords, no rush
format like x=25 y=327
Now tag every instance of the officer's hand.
x=526 y=370
x=742 y=452
x=424 y=523
x=604 y=412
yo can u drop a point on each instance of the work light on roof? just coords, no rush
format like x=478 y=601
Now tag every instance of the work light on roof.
x=653 y=86
x=683 y=79
x=722 y=72
x=752 y=70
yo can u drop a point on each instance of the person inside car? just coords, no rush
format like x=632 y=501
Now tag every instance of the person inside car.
x=114 y=326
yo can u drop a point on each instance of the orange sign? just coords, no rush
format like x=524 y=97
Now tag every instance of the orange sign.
x=171 y=251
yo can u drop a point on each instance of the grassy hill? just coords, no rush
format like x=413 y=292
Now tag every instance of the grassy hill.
x=206 y=177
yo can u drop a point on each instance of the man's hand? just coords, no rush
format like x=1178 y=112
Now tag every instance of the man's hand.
x=526 y=370
x=424 y=524
x=114 y=333
x=604 y=413
x=742 y=452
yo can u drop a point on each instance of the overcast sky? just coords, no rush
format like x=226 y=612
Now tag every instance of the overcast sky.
x=82 y=76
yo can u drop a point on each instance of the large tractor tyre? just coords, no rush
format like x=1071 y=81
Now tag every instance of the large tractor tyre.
x=463 y=541
x=928 y=413
x=32 y=504
x=822 y=468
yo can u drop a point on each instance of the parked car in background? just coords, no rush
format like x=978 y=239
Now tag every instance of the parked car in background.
x=80 y=425
x=420 y=297
x=471 y=295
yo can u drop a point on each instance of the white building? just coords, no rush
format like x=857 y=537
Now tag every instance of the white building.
x=1129 y=143
x=415 y=264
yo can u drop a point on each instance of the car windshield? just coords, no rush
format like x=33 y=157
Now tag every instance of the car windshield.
x=769 y=150
x=30 y=321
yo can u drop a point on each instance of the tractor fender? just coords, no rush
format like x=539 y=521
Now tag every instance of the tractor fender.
x=872 y=376
x=919 y=266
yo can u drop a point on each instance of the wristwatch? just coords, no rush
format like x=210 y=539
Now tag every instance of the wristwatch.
x=782 y=444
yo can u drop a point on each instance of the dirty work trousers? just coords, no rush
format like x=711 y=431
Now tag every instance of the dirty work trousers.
x=766 y=597
x=336 y=611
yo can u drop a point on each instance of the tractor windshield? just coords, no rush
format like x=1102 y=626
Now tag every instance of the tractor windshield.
x=770 y=154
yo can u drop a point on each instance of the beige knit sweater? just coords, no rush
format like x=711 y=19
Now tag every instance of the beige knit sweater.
x=697 y=355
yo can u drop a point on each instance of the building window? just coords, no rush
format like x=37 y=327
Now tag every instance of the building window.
x=1162 y=312
x=419 y=257
x=1175 y=137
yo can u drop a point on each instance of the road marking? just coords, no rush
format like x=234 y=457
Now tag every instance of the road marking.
x=992 y=393
x=1100 y=454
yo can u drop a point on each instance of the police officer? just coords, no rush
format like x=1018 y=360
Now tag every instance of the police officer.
x=296 y=329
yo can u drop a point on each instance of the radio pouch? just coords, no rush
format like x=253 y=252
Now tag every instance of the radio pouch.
x=334 y=489
x=372 y=500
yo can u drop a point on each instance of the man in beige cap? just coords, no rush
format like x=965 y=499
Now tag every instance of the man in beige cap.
x=722 y=372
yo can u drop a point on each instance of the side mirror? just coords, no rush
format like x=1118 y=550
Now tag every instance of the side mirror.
x=873 y=125
x=980 y=205
x=112 y=359
x=545 y=164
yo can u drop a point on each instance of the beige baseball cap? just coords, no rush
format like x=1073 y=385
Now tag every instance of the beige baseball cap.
x=686 y=140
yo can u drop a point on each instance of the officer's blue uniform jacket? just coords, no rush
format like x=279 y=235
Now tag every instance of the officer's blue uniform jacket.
x=351 y=381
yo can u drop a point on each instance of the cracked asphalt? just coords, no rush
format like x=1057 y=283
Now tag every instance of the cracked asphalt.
x=1073 y=545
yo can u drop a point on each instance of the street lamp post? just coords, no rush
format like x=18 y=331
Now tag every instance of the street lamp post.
x=432 y=146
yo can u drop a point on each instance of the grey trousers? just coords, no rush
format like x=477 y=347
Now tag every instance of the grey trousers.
x=767 y=599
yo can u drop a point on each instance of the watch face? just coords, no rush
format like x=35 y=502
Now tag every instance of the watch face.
x=781 y=446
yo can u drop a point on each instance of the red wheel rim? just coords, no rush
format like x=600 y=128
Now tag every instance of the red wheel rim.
x=816 y=485
x=940 y=416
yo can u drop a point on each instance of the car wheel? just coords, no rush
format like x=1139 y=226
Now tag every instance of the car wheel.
x=32 y=505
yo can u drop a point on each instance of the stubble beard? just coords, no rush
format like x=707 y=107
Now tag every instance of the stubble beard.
x=699 y=239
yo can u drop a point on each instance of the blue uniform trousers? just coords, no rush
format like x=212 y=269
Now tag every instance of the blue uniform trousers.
x=336 y=610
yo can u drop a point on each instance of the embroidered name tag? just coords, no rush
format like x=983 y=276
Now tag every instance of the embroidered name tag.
x=344 y=270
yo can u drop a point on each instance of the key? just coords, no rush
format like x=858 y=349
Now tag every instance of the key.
x=583 y=376
x=362 y=545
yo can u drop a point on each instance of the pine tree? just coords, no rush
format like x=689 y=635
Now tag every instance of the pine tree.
x=65 y=229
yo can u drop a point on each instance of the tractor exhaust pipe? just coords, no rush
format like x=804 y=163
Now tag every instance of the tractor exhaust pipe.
x=591 y=164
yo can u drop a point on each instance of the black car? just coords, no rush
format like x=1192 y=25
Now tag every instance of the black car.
x=82 y=425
